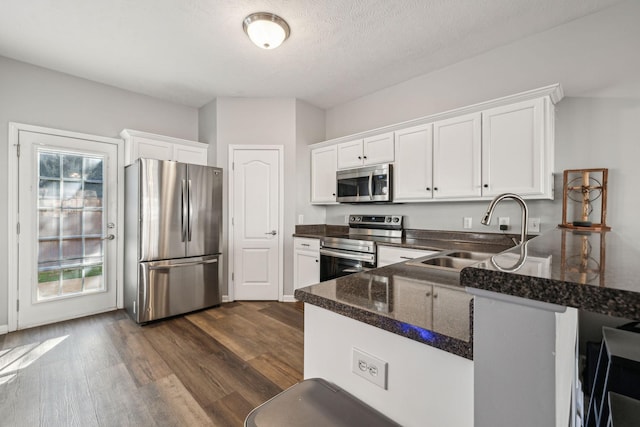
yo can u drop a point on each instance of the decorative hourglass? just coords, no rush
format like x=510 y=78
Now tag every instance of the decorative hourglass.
x=585 y=195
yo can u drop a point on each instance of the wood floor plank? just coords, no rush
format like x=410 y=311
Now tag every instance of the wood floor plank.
x=139 y=356
x=116 y=399
x=230 y=411
x=208 y=368
x=68 y=402
x=277 y=370
x=171 y=404
x=286 y=313
x=213 y=363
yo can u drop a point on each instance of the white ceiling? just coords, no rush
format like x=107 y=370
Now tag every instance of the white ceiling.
x=191 y=51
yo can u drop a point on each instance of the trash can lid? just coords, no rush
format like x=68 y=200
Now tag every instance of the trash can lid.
x=316 y=402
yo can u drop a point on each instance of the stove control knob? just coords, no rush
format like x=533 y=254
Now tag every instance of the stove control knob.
x=387 y=219
x=396 y=219
x=353 y=219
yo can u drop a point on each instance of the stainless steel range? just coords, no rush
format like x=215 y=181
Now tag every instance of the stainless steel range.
x=356 y=252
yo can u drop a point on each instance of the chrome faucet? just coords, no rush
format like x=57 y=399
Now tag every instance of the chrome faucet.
x=525 y=213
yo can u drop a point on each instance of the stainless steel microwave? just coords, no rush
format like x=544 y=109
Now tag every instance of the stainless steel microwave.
x=365 y=185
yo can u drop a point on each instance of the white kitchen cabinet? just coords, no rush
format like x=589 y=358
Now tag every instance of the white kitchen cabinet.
x=367 y=151
x=412 y=171
x=152 y=146
x=323 y=174
x=306 y=263
x=516 y=151
x=457 y=157
x=393 y=254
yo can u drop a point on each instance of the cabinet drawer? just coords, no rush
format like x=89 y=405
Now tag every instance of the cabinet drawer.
x=392 y=255
x=306 y=244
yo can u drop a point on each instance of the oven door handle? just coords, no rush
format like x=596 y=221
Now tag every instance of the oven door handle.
x=348 y=255
x=356 y=270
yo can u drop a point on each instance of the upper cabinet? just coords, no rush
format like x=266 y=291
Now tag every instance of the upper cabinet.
x=412 y=172
x=478 y=152
x=367 y=151
x=323 y=174
x=517 y=150
x=152 y=146
x=456 y=157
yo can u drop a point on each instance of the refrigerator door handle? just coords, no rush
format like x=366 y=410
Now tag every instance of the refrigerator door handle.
x=185 y=213
x=190 y=211
x=182 y=264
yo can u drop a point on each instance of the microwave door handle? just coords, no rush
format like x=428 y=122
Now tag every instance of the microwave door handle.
x=371 y=185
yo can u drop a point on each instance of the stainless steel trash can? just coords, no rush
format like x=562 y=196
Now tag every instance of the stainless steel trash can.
x=316 y=403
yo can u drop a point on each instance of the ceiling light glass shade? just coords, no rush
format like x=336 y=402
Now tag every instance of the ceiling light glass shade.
x=266 y=30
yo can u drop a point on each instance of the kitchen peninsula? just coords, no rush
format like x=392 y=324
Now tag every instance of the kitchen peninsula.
x=517 y=363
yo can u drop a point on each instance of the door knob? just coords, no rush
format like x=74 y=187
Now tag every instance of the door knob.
x=109 y=237
x=272 y=232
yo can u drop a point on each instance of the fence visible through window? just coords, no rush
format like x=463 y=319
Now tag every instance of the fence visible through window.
x=70 y=224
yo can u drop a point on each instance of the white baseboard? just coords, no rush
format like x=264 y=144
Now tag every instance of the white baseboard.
x=225 y=298
x=4 y=329
x=289 y=298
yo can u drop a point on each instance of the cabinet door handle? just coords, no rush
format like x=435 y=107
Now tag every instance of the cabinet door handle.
x=405 y=257
x=428 y=188
x=304 y=244
x=316 y=260
x=428 y=294
x=333 y=194
x=359 y=157
x=435 y=188
x=435 y=295
x=365 y=157
x=486 y=186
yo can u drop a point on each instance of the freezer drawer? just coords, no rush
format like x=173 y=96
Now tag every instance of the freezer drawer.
x=171 y=287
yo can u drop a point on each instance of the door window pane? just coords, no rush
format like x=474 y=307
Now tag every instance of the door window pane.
x=70 y=248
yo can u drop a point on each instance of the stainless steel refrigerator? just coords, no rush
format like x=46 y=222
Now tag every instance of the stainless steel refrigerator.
x=173 y=224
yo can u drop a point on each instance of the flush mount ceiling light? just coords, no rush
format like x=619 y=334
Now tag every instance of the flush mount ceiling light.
x=266 y=30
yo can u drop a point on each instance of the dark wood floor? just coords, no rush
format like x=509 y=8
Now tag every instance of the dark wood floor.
x=205 y=369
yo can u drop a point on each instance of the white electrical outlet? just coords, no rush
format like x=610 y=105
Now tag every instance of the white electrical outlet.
x=534 y=225
x=369 y=367
x=300 y=219
x=467 y=222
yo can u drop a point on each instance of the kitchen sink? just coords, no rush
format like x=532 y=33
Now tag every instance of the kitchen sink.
x=477 y=256
x=450 y=261
x=446 y=262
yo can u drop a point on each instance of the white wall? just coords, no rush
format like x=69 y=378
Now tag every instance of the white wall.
x=310 y=127
x=259 y=121
x=38 y=96
x=592 y=56
x=591 y=131
x=208 y=130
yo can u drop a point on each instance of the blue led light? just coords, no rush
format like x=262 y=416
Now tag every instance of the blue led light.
x=424 y=334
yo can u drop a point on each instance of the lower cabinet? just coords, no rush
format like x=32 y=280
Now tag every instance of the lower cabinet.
x=392 y=255
x=306 y=263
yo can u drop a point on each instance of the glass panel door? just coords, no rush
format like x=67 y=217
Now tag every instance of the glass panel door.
x=68 y=241
x=70 y=224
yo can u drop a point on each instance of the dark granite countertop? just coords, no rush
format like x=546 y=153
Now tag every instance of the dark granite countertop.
x=593 y=271
x=430 y=308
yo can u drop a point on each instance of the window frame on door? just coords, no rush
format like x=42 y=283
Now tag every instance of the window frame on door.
x=13 y=217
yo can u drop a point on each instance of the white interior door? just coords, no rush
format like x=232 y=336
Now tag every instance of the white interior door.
x=67 y=210
x=256 y=223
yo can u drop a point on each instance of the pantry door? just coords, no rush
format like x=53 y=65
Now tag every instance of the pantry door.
x=67 y=236
x=255 y=199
